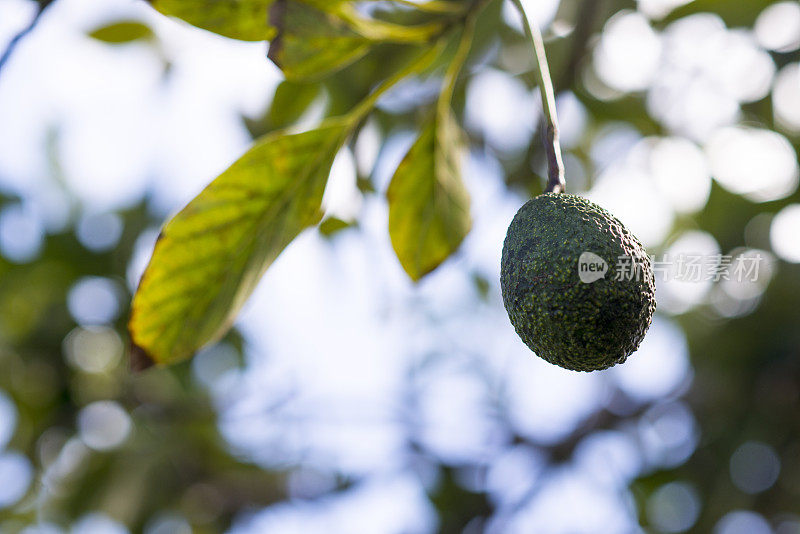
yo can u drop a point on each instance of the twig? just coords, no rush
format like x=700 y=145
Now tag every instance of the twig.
x=555 y=165
x=42 y=5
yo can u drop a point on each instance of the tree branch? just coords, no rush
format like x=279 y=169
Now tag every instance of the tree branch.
x=42 y=5
x=552 y=145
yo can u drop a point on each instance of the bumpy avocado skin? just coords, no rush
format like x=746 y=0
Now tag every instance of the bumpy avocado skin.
x=576 y=325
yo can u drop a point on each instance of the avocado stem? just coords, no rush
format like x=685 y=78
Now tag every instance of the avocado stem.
x=552 y=144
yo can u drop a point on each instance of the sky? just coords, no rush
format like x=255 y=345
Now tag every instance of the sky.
x=347 y=359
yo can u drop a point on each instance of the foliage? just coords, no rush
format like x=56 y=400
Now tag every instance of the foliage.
x=122 y=32
x=213 y=253
x=743 y=383
x=209 y=258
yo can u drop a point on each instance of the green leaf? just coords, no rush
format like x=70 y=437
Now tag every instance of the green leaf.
x=248 y=20
x=211 y=255
x=309 y=38
x=311 y=43
x=333 y=225
x=428 y=203
x=290 y=102
x=316 y=38
x=122 y=32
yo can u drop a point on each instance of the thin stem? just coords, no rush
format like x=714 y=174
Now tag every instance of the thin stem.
x=462 y=52
x=552 y=145
x=25 y=31
x=380 y=31
x=451 y=75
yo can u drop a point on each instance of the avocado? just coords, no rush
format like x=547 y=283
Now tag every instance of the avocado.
x=577 y=284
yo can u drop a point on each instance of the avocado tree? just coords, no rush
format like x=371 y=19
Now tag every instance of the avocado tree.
x=210 y=257
x=678 y=118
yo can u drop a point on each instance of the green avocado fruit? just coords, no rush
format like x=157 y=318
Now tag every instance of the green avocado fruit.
x=578 y=286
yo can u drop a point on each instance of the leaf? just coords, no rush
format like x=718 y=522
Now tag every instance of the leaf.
x=428 y=203
x=248 y=20
x=122 y=32
x=311 y=43
x=290 y=102
x=333 y=225
x=211 y=255
x=316 y=38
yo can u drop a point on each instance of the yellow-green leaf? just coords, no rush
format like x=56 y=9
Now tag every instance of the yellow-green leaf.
x=317 y=37
x=122 y=32
x=312 y=43
x=211 y=255
x=428 y=203
x=333 y=225
x=248 y=20
x=290 y=102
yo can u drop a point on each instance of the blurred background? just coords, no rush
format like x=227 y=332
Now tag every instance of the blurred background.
x=349 y=400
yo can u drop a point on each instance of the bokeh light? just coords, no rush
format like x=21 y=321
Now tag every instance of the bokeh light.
x=660 y=365
x=786 y=98
x=628 y=54
x=348 y=399
x=783 y=233
x=657 y=9
x=748 y=277
x=758 y=164
x=43 y=528
x=390 y=503
x=754 y=467
x=97 y=523
x=513 y=473
x=684 y=275
x=680 y=171
x=668 y=433
x=631 y=195
x=93 y=349
x=99 y=232
x=103 y=425
x=537 y=405
x=674 y=507
x=553 y=507
x=16 y=472
x=742 y=522
x=94 y=301
x=212 y=365
x=611 y=458
x=778 y=27
x=8 y=418
x=697 y=88
x=21 y=233
x=168 y=524
x=501 y=109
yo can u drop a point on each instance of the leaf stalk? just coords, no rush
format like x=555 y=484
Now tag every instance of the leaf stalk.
x=552 y=143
